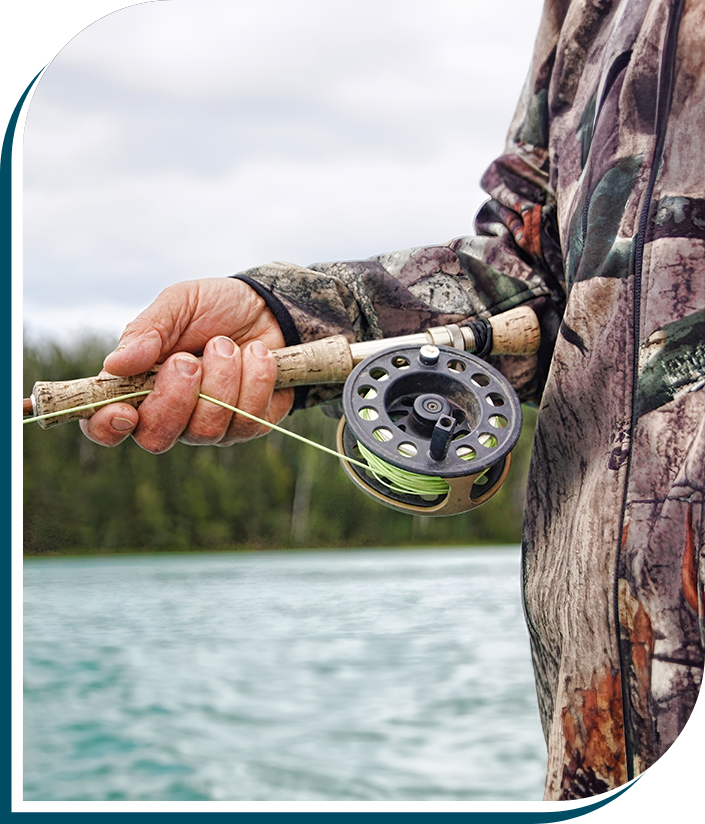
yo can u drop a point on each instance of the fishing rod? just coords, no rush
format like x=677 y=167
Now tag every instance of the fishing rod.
x=428 y=425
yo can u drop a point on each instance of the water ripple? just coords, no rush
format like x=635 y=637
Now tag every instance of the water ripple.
x=386 y=674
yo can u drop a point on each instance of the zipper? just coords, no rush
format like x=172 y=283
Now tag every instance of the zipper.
x=663 y=107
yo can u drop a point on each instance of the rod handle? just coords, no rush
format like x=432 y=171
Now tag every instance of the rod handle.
x=323 y=361
x=515 y=332
x=328 y=360
x=53 y=396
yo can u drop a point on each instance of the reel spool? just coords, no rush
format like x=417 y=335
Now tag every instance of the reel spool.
x=441 y=414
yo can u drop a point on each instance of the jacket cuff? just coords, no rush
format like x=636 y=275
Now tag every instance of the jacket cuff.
x=286 y=324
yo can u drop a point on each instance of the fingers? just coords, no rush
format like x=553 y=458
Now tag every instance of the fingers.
x=165 y=413
x=185 y=316
x=242 y=377
x=259 y=372
x=222 y=371
x=111 y=425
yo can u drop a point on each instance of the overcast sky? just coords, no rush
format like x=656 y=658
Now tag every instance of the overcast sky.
x=195 y=138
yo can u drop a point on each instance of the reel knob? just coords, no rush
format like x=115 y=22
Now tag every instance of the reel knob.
x=436 y=428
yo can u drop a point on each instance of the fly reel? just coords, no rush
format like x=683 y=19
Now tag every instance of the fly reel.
x=435 y=426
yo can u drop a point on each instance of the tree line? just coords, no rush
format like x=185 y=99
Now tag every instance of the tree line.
x=271 y=493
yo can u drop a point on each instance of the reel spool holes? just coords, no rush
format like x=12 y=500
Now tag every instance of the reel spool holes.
x=435 y=425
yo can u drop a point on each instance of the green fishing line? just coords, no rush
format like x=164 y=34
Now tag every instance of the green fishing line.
x=401 y=480
x=97 y=404
x=394 y=478
x=48 y=415
x=282 y=430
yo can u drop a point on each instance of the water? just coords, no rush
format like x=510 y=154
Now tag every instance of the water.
x=281 y=676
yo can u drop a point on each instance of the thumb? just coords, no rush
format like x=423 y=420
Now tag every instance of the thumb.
x=150 y=337
x=140 y=347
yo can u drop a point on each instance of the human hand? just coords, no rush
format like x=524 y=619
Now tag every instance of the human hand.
x=227 y=322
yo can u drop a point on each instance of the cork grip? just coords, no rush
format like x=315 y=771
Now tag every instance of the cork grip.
x=323 y=361
x=516 y=332
x=53 y=396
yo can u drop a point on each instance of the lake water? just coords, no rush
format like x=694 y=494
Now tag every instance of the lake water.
x=280 y=676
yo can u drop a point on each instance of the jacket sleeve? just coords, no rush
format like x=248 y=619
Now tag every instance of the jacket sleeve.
x=514 y=258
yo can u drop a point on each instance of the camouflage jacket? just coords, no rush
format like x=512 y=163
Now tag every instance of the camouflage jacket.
x=597 y=220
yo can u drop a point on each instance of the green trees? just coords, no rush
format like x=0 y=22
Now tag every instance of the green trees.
x=271 y=493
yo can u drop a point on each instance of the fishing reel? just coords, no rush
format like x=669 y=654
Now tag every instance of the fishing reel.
x=434 y=425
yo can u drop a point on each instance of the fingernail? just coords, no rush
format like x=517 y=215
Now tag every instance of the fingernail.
x=224 y=347
x=187 y=366
x=122 y=424
x=117 y=349
x=259 y=349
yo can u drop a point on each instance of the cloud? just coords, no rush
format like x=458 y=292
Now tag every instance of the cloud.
x=186 y=139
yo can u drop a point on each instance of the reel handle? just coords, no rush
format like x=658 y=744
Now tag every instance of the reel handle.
x=329 y=360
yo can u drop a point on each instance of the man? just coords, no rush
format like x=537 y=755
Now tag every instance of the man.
x=597 y=220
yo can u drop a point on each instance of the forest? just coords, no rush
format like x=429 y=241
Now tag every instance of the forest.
x=271 y=493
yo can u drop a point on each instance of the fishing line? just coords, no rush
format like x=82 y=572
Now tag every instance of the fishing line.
x=386 y=474
x=205 y=398
x=398 y=480
x=281 y=429
x=401 y=480
x=48 y=415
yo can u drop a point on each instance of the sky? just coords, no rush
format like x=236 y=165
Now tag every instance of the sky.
x=196 y=138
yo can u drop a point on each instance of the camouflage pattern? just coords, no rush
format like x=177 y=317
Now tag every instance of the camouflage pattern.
x=597 y=219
